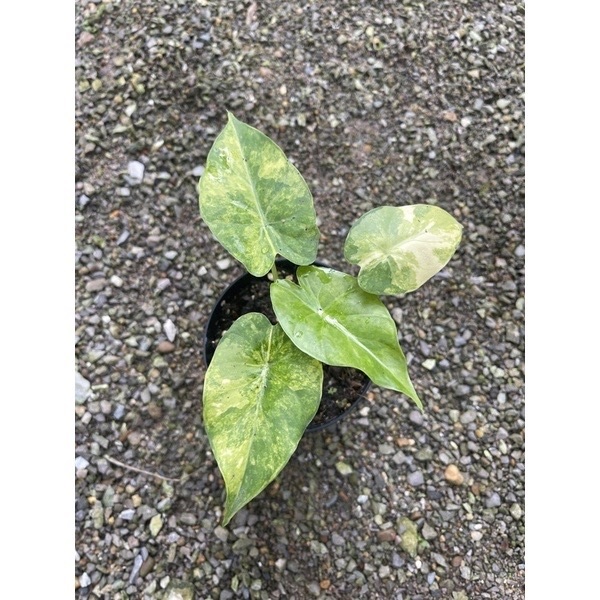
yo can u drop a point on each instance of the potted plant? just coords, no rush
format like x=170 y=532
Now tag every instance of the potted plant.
x=264 y=382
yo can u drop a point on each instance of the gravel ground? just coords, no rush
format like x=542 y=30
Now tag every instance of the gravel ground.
x=376 y=103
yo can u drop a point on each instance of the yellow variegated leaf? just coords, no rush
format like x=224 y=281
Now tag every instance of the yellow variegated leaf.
x=398 y=248
x=255 y=201
x=260 y=393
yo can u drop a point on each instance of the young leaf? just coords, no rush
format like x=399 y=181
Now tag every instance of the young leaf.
x=260 y=393
x=332 y=319
x=398 y=248
x=255 y=201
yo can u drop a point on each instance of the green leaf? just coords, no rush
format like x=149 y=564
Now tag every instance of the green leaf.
x=260 y=393
x=255 y=201
x=398 y=248
x=329 y=317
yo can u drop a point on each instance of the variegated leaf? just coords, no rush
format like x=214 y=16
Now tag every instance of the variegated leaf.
x=260 y=393
x=398 y=248
x=255 y=201
x=328 y=316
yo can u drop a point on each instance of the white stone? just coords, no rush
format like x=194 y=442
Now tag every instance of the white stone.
x=429 y=364
x=81 y=463
x=170 y=330
x=135 y=170
x=82 y=388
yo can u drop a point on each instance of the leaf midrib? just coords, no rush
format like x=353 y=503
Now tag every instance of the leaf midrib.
x=324 y=315
x=305 y=294
x=255 y=196
x=260 y=397
x=340 y=327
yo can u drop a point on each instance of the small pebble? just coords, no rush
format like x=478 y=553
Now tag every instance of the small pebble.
x=165 y=347
x=516 y=511
x=123 y=237
x=428 y=532
x=493 y=501
x=280 y=564
x=188 y=518
x=453 y=475
x=415 y=478
x=387 y=535
x=82 y=388
x=468 y=416
x=95 y=285
x=147 y=566
x=163 y=284
x=135 y=171
x=170 y=330
x=397 y=561
x=416 y=417
x=156 y=523
x=81 y=463
x=386 y=449
x=221 y=533
x=343 y=468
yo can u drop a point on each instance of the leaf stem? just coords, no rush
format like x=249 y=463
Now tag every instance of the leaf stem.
x=274 y=272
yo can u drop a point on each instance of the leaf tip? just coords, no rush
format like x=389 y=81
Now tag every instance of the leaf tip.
x=415 y=398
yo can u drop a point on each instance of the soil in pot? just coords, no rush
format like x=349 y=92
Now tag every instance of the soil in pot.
x=343 y=387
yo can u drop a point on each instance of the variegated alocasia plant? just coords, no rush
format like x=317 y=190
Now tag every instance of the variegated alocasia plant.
x=264 y=383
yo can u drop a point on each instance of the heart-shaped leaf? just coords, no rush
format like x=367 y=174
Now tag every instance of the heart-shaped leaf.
x=255 y=201
x=328 y=316
x=260 y=393
x=398 y=248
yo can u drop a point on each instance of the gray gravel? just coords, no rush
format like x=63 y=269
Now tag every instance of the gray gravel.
x=376 y=103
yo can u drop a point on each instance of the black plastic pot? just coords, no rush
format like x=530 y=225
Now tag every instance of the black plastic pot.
x=343 y=387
